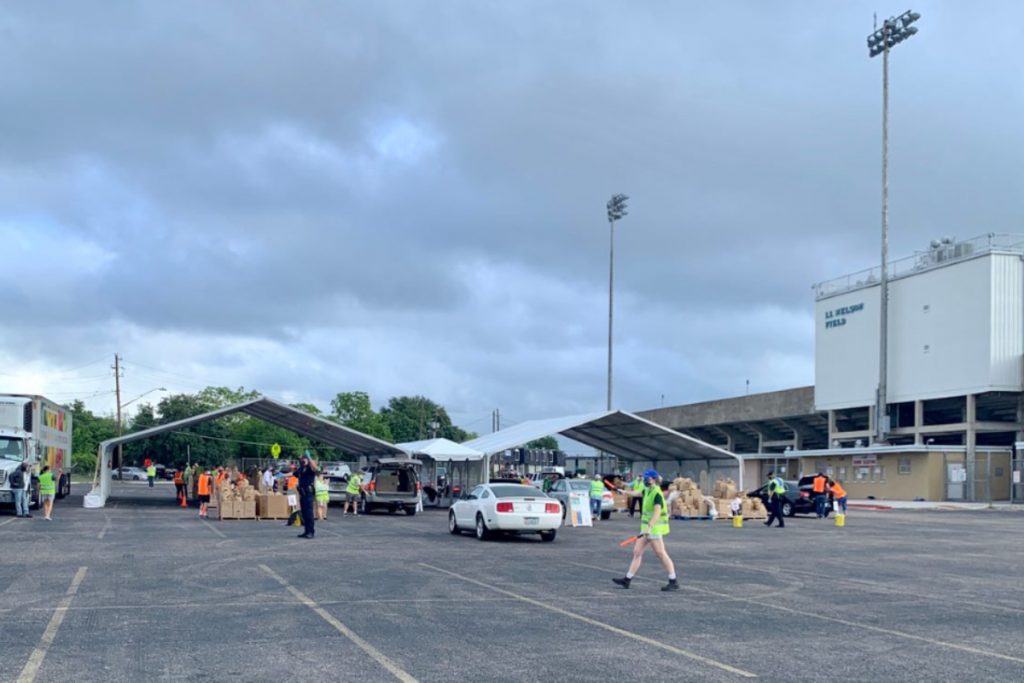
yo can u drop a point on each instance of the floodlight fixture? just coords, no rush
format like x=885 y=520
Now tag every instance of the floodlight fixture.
x=617 y=207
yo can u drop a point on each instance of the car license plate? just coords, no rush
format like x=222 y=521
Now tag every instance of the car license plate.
x=531 y=521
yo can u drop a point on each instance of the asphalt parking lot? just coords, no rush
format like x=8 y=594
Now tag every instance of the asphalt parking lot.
x=145 y=590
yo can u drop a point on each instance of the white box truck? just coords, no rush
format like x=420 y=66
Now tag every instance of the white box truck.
x=35 y=430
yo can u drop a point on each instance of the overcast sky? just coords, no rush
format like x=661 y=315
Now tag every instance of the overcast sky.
x=409 y=197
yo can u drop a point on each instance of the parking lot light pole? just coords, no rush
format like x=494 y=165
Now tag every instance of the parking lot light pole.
x=616 y=210
x=894 y=31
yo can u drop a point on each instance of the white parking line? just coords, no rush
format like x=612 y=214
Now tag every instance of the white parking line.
x=213 y=528
x=7 y=521
x=836 y=620
x=600 y=624
x=35 y=660
x=376 y=654
x=106 y=527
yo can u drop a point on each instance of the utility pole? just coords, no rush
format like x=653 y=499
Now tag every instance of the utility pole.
x=117 y=391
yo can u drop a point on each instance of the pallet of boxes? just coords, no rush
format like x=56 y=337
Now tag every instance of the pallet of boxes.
x=725 y=492
x=236 y=498
x=270 y=505
x=685 y=500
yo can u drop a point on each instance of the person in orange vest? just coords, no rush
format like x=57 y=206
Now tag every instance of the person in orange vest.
x=179 y=483
x=839 y=495
x=203 y=489
x=818 y=486
x=291 y=485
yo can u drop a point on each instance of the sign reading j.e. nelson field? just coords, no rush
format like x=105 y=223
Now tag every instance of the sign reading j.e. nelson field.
x=837 y=317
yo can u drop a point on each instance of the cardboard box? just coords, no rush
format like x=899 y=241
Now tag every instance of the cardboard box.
x=621 y=503
x=272 y=506
x=246 y=509
x=227 y=509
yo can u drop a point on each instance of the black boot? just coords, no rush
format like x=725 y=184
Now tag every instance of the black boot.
x=624 y=581
x=672 y=585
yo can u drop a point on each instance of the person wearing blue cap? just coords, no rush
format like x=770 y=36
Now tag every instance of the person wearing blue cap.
x=653 y=528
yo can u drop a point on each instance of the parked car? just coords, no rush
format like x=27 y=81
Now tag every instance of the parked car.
x=793 y=500
x=506 y=508
x=130 y=474
x=561 y=489
x=392 y=484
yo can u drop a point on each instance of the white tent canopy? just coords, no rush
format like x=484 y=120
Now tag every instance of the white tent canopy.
x=299 y=421
x=441 y=450
x=625 y=435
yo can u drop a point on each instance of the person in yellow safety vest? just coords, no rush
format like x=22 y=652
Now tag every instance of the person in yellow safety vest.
x=637 y=495
x=322 y=494
x=653 y=529
x=151 y=474
x=352 y=490
x=47 y=491
x=776 y=488
x=596 y=494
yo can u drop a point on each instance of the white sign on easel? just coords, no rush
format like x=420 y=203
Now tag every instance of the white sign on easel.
x=579 y=509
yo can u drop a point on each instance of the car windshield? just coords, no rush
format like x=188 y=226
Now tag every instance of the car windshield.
x=12 y=449
x=580 y=485
x=516 y=491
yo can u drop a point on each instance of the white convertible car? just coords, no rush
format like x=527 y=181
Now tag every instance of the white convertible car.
x=506 y=508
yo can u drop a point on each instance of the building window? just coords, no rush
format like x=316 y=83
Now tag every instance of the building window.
x=904 y=466
x=878 y=473
x=842 y=473
x=861 y=473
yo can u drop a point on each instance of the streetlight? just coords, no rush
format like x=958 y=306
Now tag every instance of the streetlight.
x=893 y=32
x=120 y=405
x=616 y=210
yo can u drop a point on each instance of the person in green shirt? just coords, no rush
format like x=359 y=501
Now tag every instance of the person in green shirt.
x=653 y=529
x=47 y=491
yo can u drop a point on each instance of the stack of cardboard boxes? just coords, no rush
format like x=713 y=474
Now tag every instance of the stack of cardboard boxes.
x=236 y=501
x=686 y=500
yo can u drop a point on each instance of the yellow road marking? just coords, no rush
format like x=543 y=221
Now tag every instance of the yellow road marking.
x=600 y=624
x=836 y=620
x=377 y=655
x=35 y=660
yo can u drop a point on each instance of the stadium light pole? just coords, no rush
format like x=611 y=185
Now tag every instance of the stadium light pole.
x=616 y=210
x=894 y=31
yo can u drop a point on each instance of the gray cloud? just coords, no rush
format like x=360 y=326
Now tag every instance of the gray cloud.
x=402 y=198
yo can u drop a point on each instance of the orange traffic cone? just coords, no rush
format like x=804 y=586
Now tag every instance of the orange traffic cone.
x=183 y=504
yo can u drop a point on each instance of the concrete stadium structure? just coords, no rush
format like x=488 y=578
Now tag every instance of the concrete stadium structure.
x=955 y=383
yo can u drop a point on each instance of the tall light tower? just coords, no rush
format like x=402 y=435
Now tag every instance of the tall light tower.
x=893 y=32
x=616 y=210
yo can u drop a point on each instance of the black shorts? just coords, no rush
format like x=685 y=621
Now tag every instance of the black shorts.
x=204 y=498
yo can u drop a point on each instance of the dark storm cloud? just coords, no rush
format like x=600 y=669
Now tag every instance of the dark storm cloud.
x=409 y=198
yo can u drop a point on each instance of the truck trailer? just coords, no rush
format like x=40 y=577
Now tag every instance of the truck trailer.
x=35 y=430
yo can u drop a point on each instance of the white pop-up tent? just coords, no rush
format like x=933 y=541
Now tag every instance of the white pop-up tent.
x=632 y=438
x=462 y=467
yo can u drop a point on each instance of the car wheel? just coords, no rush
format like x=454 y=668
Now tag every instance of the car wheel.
x=410 y=511
x=482 y=534
x=787 y=509
x=547 y=536
x=453 y=526
x=605 y=515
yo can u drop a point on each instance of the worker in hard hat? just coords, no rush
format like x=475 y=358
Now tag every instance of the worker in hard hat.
x=653 y=529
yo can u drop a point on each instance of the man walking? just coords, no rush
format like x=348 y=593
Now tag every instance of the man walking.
x=596 y=496
x=151 y=474
x=820 y=497
x=839 y=495
x=776 y=488
x=18 y=481
x=653 y=529
x=637 y=495
x=352 y=491
x=307 y=493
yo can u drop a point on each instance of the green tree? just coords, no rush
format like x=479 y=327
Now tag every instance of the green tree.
x=410 y=417
x=353 y=409
x=548 y=442
x=88 y=430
